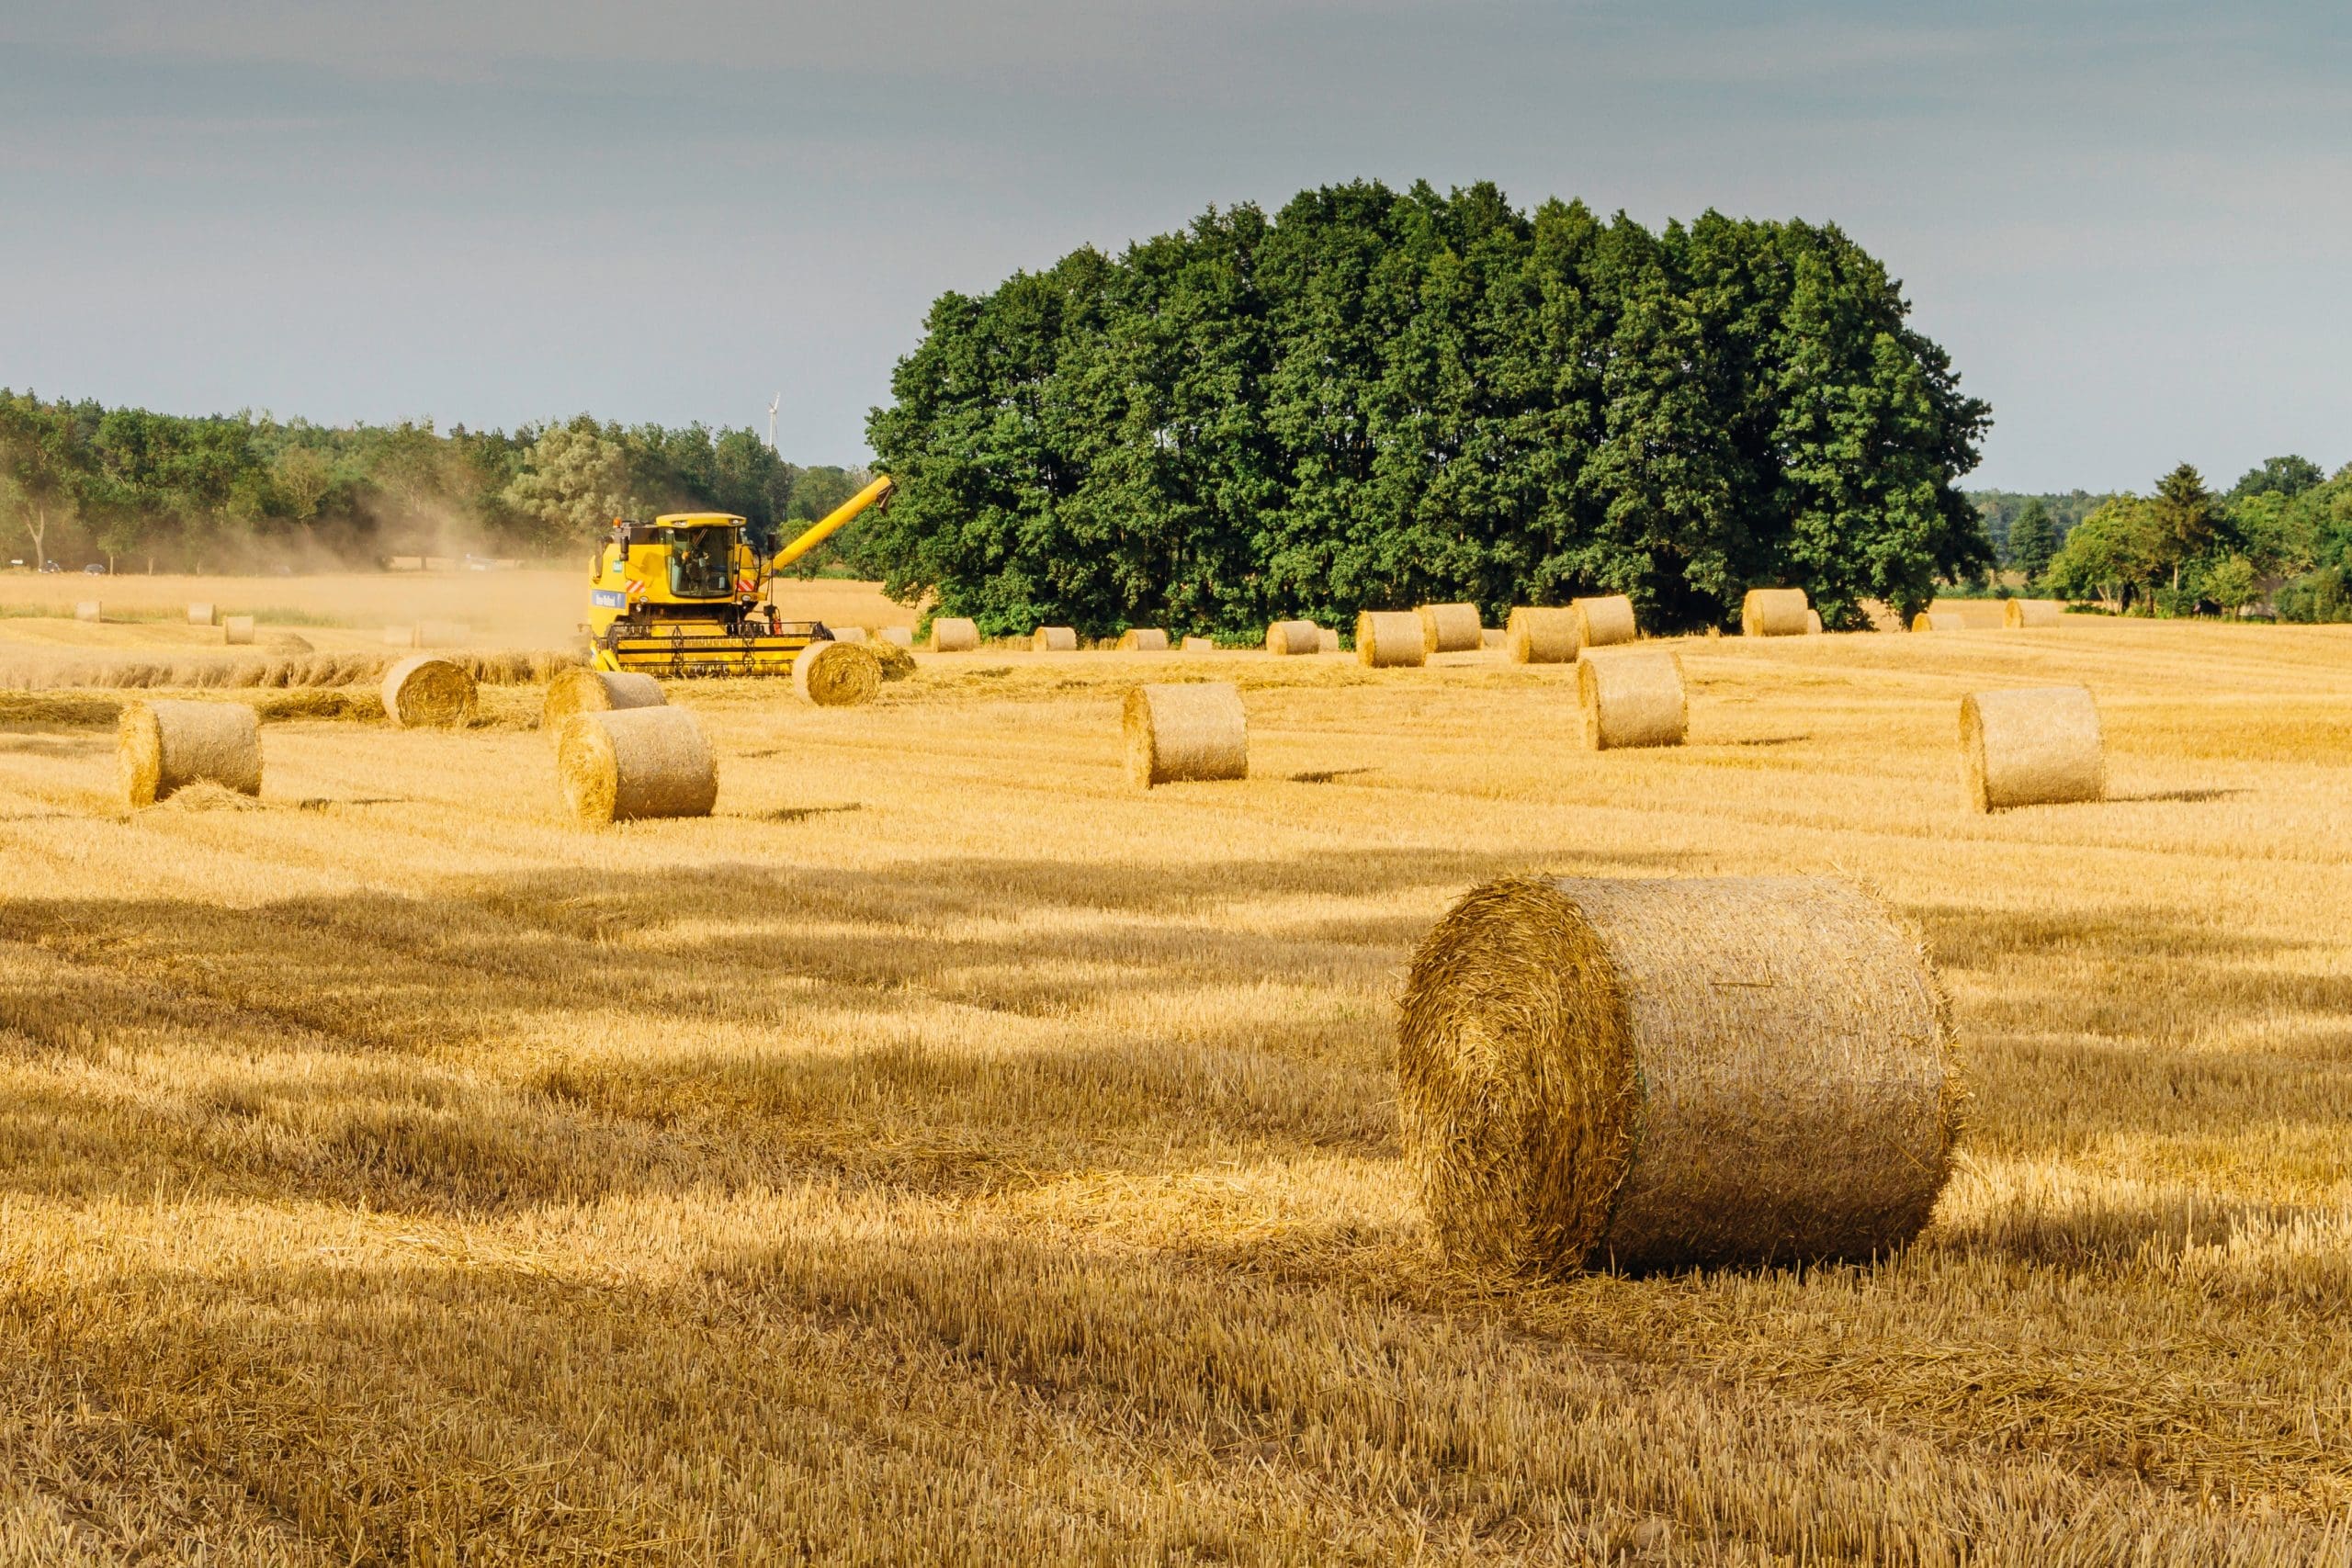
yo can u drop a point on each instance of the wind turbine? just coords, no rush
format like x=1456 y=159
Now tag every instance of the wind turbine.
x=772 y=408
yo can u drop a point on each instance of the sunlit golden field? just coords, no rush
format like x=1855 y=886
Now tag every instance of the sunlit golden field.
x=945 y=1152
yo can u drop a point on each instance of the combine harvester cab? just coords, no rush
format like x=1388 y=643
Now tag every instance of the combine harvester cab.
x=683 y=595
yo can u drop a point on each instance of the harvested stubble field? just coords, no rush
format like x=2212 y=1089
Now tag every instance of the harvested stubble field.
x=948 y=1153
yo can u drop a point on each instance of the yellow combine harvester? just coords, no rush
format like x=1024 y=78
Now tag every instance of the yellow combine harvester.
x=681 y=595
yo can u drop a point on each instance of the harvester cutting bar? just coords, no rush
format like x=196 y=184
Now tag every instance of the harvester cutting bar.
x=678 y=652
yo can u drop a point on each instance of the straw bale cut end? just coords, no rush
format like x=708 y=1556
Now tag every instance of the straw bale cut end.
x=202 y=615
x=630 y=763
x=1200 y=645
x=1774 y=612
x=1939 y=621
x=836 y=674
x=1143 y=639
x=1390 y=639
x=1450 y=628
x=1054 y=640
x=955 y=634
x=163 y=747
x=421 y=692
x=1290 y=638
x=576 y=689
x=89 y=610
x=2036 y=746
x=1631 y=699
x=896 y=637
x=1605 y=620
x=237 y=629
x=2021 y=612
x=1539 y=635
x=1178 y=733
x=1646 y=1075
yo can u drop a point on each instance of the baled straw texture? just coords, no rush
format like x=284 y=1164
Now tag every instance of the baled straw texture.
x=595 y=691
x=1813 y=623
x=1327 y=639
x=896 y=637
x=836 y=674
x=1541 y=636
x=1939 y=621
x=1189 y=731
x=895 y=662
x=1605 y=620
x=1054 y=640
x=629 y=763
x=2021 y=612
x=1290 y=637
x=1449 y=629
x=1773 y=612
x=1631 y=699
x=955 y=634
x=1390 y=639
x=1647 y=1074
x=163 y=746
x=237 y=629
x=89 y=610
x=1490 y=637
x=422 y=692
x=1143 y=639
x=1200 y=645
x=2036 y=746
x=855 y=636
x=202 y=614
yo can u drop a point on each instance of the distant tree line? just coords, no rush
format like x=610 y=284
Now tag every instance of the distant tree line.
x=80 y=482
x=1376 y=398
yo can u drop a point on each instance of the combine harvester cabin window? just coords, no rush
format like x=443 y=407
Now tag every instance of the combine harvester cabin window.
x=701 y=562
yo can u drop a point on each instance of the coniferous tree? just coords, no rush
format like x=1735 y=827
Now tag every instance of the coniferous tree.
x=2032 y=540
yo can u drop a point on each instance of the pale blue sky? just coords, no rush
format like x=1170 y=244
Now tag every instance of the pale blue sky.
x=2129 y=223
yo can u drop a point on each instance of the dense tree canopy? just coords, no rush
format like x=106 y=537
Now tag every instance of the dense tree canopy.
x=1380 y=399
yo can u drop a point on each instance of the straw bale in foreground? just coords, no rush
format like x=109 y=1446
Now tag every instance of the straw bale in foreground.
x=1631 y=699
x=1192 y=730
x=1390 y=639
x=630 y=763
x=422 y=692
x=1538 y=635
x=203 y=614
x=1450 y=628
x=1143 y=639
x=89 y=610
x=2021 y=612
x=595 y=691
x=1292 y=637
x=955 y=634
x=1939 y=621
x=1669 y=1074
x=836 y=674
x=1605 y=620
x=2034 y=746
x=1773 y=612
x=1054 y=640
x=237 y=629
x=164 y=746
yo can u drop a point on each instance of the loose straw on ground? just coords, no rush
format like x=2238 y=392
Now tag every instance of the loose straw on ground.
x=2034 y=746
x=1605 y=620
x=422 y=692
x=1292 y=637
x=595 y=691
x=631 y=763
x=1631 y=700
x=1190 y=732
x=164 y=746
x=836 y=674
x=1450 y=628
x=1054 y=640
x=895 y=662
x=1537 y=635
x=2021 y=612
x=1666 y=1074
x=443 y=633
x=1390 y=639
x=1774 y=612
x=955 y=634
x=1143 y=639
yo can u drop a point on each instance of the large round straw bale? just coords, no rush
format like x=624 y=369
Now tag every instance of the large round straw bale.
x=237 y=629
x=1390 y=639
x=422 y=692
x=1327 y=639
x=89 y=610
x=1813 y=623
x=1200 y=645
x=1193 y=731
x=955 y=634
x=1539 y=635
x=852 y=634
x=1605 y=620
x=836 y=674
x=1939 y=621
x=1288 y=637
x=1143 y=639
x=1773 y=612
x=2020 y=613
x=400 y=637
x=1054 y=640
x=1449 y=629
x=2033 y=746
x=634 y=763
x=896 y=637
x=1647 y=1074
x=202 y=614
x=163 y=746
x=577 y=690
x=1631 y=699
